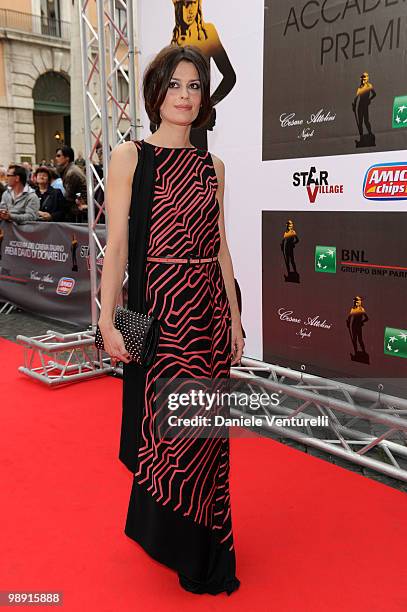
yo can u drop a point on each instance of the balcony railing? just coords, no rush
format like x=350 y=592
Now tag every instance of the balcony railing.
x=34 y=24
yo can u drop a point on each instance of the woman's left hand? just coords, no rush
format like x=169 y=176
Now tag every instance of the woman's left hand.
x=237 y=341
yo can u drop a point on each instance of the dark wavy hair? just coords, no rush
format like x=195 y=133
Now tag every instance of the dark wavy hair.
x=158 y=75
x=66 y=152
x=46 y=171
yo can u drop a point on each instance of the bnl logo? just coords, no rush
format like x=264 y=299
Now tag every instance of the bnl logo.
x=326 y=258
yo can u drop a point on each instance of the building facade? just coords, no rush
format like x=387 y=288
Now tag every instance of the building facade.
x=41 y=86
x=35 y=78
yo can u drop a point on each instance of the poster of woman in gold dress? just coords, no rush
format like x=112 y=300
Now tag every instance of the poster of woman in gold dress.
x=191 y=29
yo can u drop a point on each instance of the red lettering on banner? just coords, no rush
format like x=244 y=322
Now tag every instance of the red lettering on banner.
x=312 y=193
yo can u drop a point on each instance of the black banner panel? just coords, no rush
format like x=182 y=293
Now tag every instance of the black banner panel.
x=44 y=268
x=335 y=293
x=334 y=77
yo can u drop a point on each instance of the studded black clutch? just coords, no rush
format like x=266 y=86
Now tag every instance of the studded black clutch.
x=140 y=334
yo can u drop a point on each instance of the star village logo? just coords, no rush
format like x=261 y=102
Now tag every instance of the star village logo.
x=316 y=183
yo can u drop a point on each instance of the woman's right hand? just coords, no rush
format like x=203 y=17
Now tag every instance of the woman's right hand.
x=114 y=344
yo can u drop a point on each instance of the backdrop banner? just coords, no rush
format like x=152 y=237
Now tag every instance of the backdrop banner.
x=310 y=116
x=332 y=77
x=334 y=293
x=44 y=269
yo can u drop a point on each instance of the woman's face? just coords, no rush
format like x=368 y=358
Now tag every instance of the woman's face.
x=183 y=100
x=189 y=11
x=42 y=179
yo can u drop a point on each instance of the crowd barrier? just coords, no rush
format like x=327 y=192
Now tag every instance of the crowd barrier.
x=44 y=269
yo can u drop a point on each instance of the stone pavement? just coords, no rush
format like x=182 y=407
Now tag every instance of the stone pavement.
x=20 y=322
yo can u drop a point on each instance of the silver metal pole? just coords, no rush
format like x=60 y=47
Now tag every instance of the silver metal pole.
x=113 y=76
x=104 y=108
x=131 y=71
x=108 y=112
x=82 y=6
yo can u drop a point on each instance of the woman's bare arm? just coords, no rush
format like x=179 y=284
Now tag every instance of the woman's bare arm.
x=224 y=257
x=226 y=265
x=118 y=195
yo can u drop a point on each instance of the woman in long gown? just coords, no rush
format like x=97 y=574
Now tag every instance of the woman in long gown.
x=179 y=509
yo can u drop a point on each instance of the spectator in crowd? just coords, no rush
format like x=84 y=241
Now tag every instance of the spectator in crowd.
x=82 y=215
x=29 y=170
x=19 y=202
x=3 y=180
x=74 y=182
x=52 y=202
x=80 y=161
x=33 y=181
x=99 y=154
x=56 y=181
x=99 y=193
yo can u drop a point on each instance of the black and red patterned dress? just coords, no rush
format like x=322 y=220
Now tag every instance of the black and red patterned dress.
x=179 y=509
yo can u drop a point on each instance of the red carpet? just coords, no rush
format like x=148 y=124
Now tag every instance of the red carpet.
x=309 y=536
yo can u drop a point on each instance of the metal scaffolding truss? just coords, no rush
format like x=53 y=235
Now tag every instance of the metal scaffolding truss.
x=364 y=427
x=55 y=359
x=108 y=62
x=110 y=111
x=6 y=307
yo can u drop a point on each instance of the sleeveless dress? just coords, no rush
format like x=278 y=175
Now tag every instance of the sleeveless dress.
x=179 y=509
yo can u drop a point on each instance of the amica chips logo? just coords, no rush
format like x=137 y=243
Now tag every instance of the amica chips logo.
x=65 y=285
x=386 y=182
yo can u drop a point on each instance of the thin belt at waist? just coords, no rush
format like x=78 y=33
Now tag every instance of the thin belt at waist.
x=182 y=260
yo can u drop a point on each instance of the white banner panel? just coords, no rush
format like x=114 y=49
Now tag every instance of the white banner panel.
x=307 y=183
